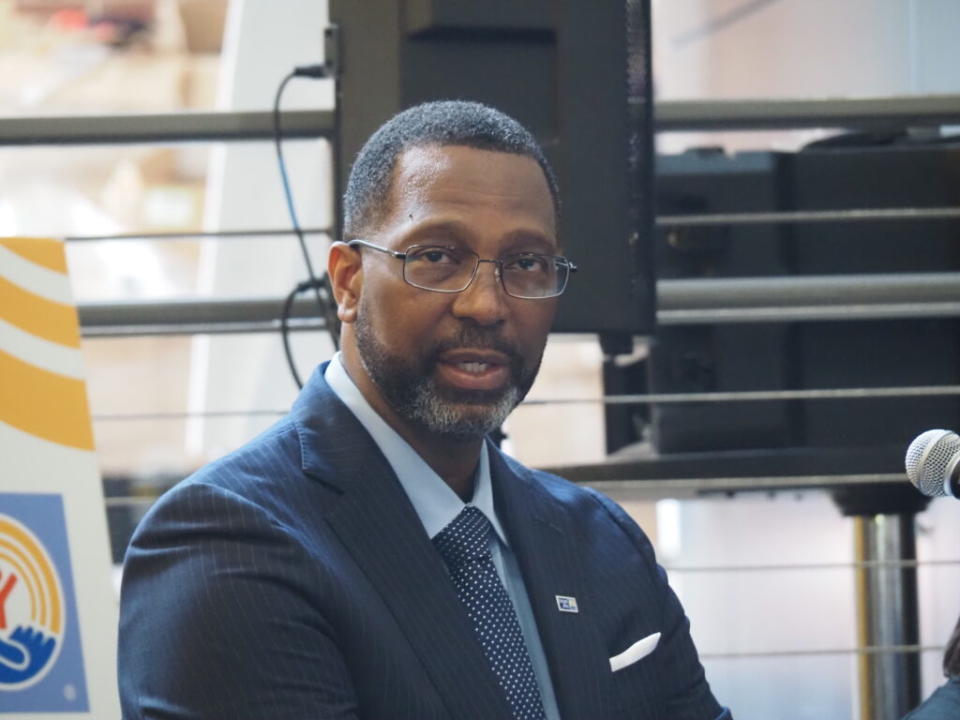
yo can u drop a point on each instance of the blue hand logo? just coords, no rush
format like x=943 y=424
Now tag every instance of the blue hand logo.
x=24 y=654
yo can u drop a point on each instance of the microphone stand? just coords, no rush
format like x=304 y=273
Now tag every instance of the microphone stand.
x=886 y=595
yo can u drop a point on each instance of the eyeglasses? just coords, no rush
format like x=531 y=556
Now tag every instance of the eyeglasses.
x=439 y=268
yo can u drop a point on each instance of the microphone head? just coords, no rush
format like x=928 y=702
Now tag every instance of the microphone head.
x=931 y=458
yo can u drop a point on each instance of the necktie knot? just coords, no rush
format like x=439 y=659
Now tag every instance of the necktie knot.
x=465 y=538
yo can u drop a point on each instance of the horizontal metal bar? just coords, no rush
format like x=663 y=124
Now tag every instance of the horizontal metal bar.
x=141 y=500
x=665 y=318
x=809 y=216
x=688 y=487
x=697 y=569
x=808 y=298
x=192 y=316
x=162 y=128
x=212 y=328
x=869 y=650
x=807 y=314
x=162 y=416
x=769 y=114
x=757 y=396
x=665 y=221
x=649 y=399
x=693 y=487
x=805 y=291
x=198 y=235
x=670 y=116
x=767 y=299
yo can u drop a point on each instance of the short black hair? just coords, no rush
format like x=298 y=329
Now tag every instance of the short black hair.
x=445 y=122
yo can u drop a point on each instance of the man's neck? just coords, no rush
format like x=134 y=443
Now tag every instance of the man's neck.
x=455 y=461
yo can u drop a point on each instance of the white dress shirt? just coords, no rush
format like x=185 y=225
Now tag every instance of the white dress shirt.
x=436 y=504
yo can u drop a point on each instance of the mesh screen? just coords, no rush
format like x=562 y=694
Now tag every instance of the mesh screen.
x=929 y=459
x=640 y=149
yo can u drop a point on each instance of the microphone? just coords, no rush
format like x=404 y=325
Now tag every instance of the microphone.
x=933 y=463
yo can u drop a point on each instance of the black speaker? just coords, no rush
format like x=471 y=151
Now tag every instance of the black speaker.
x=576 y=74
x=806 y=355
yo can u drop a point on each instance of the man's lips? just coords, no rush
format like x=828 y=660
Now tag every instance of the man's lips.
x=474 y=369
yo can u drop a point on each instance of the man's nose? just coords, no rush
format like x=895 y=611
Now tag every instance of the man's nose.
x=484 y=300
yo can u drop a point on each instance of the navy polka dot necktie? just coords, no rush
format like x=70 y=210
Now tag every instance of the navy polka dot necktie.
x=464 y=545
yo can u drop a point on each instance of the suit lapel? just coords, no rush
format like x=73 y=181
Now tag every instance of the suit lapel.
x=544 y=539
x=377 y=524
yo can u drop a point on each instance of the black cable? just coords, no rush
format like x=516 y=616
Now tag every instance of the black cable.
x=325 y=304
x=285 y=326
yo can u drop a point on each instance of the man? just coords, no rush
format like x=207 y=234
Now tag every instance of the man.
x=373 y=555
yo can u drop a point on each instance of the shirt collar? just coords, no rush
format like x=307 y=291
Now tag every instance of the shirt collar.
x=434 y=502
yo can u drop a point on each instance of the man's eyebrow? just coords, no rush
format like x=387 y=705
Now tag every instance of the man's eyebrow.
x=452 y=229
x=528 y=240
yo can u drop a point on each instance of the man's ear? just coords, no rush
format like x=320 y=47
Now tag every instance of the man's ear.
x=345 y=269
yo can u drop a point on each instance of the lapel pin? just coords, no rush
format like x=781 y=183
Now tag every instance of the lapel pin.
x=567 y=604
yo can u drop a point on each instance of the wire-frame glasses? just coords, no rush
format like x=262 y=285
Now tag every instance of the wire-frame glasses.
x=446 y=269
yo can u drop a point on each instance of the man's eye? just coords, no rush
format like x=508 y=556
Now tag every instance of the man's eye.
x=433 y=256
x=530 y=263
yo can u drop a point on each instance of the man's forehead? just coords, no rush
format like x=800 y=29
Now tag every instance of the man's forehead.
x=426 y=163
x=436 y=172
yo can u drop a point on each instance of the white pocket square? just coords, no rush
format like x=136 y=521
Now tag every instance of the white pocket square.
x=640 y=649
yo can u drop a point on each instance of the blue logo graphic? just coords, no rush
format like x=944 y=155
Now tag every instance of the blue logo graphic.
x=41 y=666
x=568 y=604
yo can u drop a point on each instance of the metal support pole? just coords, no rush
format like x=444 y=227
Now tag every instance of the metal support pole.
x=887 y=615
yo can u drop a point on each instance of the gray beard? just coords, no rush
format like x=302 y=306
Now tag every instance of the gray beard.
x=410 y=388
x=429 y=409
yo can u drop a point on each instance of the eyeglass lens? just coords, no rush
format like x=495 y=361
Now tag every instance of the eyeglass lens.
x=525 y=275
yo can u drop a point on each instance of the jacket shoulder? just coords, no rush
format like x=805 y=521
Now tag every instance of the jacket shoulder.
x=262 y=478
x=591 y=507
x=265 y=458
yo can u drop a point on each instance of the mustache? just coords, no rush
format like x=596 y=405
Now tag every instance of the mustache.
x=481 y=338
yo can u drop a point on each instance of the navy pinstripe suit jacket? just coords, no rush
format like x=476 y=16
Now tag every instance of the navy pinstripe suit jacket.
x=293 y=579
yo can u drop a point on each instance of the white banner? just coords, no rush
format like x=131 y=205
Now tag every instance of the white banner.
x=58 y=612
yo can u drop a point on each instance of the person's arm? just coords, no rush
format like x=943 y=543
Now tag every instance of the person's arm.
x=951 y=654
x=217 y=618
x=687 y=692
x=943 y=704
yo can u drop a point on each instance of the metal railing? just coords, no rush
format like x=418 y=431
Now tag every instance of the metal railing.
x=669 y=116
x=679 y=301
x=767 y=114
x=727 y=300
x=161 y=128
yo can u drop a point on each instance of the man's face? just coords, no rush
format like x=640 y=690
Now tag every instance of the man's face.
x=456 y=364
